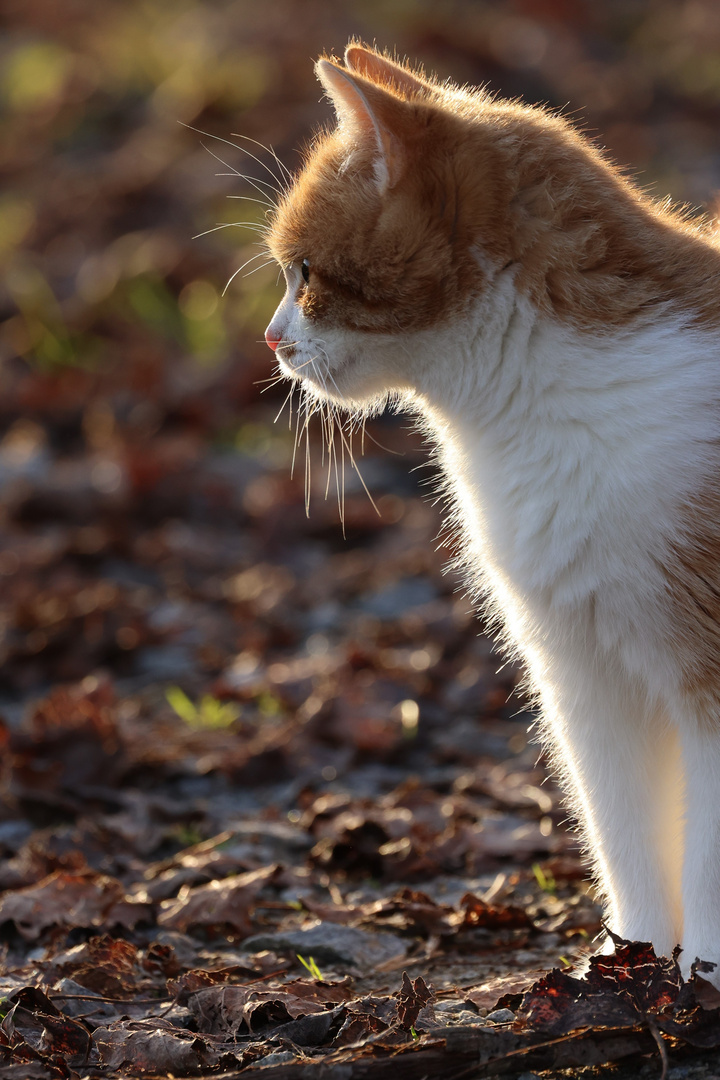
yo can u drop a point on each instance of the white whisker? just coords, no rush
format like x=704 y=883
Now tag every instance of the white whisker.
x=232 y=225
x=259 y=255
x=268 y=150
x=243 y=150
x=290 y=393
x=249 y=198
x=253 y=181
x=261 y=267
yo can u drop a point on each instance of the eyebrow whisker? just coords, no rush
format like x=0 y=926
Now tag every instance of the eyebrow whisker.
x=218 y=138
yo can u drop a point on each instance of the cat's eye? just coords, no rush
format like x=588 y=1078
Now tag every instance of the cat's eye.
x=305 y=269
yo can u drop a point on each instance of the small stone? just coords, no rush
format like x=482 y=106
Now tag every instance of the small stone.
x=278 y=1058
x=330 y=944
x=500 y=1016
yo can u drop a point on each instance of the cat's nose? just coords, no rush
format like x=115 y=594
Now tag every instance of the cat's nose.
x=273 y=338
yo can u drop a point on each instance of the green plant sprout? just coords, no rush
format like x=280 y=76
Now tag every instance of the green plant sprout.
x=312 y=967
x=546 y=881
x=209 y=713
x=188 y=835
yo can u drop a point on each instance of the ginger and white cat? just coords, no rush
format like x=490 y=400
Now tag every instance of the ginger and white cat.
x=482 y=264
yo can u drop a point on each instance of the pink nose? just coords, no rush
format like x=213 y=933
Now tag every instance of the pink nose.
x=273 y=339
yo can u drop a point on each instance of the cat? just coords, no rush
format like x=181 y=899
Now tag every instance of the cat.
x=481 y=264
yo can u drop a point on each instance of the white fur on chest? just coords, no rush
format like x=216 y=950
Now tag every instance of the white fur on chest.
x=568 y=458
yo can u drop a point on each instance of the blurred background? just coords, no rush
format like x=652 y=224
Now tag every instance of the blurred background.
x=150 y=530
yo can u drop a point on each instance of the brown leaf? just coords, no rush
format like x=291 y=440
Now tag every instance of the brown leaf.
x=64 y=1036
x=198 y=979
x=232 y=1010
x=356 y=851
x=34 y=1027
x=71 y=739
x=154 y=1046
x=411 y=998
x=109 y=967
x=631 y=987
x=507 y=917
x=488 y=994
x=358 y=1028
x=36 y=1070
x=219 y=903
x=414 y=911
x=161 y=959
x=633 y=970
x=61 y=900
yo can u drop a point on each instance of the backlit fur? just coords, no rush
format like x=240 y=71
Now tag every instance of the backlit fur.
x=558 y=333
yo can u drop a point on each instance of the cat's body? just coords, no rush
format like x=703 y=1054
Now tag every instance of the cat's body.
x=560 y=337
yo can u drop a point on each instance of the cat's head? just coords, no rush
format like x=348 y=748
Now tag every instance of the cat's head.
x=378 y=235
x=422 y=216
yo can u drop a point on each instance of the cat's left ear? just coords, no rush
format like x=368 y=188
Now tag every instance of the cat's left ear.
x=382 y=70
x=370 y=115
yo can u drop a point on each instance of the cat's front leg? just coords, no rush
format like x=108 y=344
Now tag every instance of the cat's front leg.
x=701 y=869
x=621 y=765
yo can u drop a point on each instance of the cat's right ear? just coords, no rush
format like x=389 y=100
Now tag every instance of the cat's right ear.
x=368 y=114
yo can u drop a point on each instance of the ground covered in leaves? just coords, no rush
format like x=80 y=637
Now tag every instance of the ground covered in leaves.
x=267 y=797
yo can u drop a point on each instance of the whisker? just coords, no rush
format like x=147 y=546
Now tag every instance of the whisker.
x=252 y=258
x=243 y=150
x=293 y=387
x=342 y=469
x=328 y=433
x=381 y=446
x=249 y=198
x=305 y=364
x=232 y=225
x=268 y=150
x=308 y=462
x=337 y=431
x=268 y=202
x=290 y=393
x=298 y=430
x=253 y=181
x=261 y=267
x=339 y=476
x=351 y=456
x=270 y=384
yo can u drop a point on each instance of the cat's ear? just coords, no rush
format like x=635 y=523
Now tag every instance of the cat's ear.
x=370 y=115
x=383 y=71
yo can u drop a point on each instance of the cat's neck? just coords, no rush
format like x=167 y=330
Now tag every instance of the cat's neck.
x=564 y=450
x=590 y=248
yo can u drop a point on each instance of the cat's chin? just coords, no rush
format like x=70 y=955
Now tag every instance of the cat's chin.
x=357 y=404
x=350 y=394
